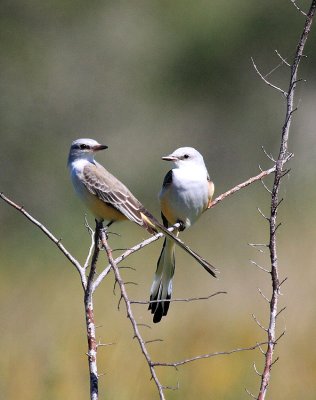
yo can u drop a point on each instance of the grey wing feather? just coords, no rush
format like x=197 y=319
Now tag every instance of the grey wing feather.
x=113 y=192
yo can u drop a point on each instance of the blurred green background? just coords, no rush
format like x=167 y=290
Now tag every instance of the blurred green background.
x=146 y=77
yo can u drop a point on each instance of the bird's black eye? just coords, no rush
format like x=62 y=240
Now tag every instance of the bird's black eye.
x=186 y=156
x=84 y=147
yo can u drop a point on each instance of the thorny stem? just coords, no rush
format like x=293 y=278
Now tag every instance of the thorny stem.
x=90 y=323
x=265 y=379
x=130 y=315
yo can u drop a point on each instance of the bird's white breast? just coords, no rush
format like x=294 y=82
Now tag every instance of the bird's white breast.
x=187 y=197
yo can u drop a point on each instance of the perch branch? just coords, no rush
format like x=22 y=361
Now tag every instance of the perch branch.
x=90 y=323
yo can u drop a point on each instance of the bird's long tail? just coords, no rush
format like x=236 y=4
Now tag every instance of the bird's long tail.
x=156 y=225
x=161 y=289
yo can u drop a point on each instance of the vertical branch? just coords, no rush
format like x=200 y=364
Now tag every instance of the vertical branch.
x=279 y=173
x=89 y=313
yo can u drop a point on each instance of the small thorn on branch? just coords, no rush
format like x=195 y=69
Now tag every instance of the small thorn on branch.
x=259 y=266
x=265 y=297
x=261 y=213
x=171 y=387
x=284 y=280
x=153 y=341
x=275 y=361
x=285 y=94
x=282 y=309
x=266 y=187
x=298 y=8
x=258 y=323
x=250 y=394
x=145 y=325
x=268 y=155
x=283 y=59
x=261 y=349
x=257 y=245
x=255 y=368
x=280 y=336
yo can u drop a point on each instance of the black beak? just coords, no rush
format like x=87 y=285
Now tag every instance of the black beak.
x=100 y=147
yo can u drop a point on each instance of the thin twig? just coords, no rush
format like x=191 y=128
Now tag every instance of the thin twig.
x=283 y=59
x=189 y=299
x=266 y=81
x=209 y=355
x=241 y=186
x=298 y=8
x=57 y=242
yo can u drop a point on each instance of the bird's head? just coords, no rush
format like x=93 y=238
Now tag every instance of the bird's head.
x=185 y=156
x=84 y=149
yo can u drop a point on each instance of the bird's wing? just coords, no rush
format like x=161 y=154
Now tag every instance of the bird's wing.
x=109 y=189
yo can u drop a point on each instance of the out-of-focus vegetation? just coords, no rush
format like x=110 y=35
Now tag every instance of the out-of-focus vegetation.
x=146 y=77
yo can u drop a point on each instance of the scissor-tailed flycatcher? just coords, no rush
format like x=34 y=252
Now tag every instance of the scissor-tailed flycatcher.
x=108 y=198
x=186 y=192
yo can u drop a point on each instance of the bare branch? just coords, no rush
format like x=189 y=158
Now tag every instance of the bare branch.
x=261 y=213
x=257 y=245
x=297 y=7
x=241 y=186
x=259 y=266
x=209 y=355
x=266 y=81
x=264 y=296
x=153 y=341
x=270 y=157
x=266 y=187
x=282 y=158
x=89 y=313
x=56 y=241
x=130 y=315
x=282 y=309
x=255 y=368
x=283 y=59
x=250 y=394
x=184 y=300
x=259 y=323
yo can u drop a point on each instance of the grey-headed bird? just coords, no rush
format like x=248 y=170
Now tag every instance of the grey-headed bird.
x=186 y=193
x=109 y=199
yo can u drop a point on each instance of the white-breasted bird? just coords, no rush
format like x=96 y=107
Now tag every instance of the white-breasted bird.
x=109 y=199
x=186 y=193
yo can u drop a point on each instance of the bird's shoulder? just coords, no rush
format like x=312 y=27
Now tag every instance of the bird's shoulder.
x=96 y=177
x=167 y=179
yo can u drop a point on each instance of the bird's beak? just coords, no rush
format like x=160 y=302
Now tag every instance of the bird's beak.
x=100 y=147
x=169 y=158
